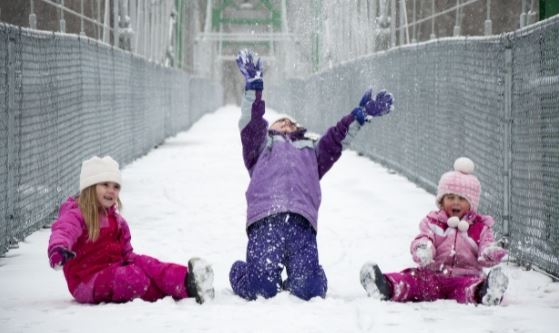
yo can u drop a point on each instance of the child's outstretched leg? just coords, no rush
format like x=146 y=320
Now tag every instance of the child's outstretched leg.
x=408 y=285
x=493 y=288
x=305 y=277
x=144 y=277
x=199 y=280
x=260 y=275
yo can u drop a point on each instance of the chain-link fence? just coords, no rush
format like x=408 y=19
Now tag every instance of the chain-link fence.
x=493 y=99
x=64 y=99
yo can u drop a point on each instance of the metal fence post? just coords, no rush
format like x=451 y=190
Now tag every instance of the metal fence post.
x=432 y=36
x=32 y=16
x=13 y=139
x=62 y=21
x=106 y=23
x=82 y=31
x=404 y=35
x=393 y=23
x=488 y=29
x=523 y=15
x=508 y=139
x=414 y=35
x=457 y=24
x=98 y=2
x=532 y=15
x=116 y=24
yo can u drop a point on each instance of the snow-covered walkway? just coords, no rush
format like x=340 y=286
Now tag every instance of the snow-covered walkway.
x=186 y=198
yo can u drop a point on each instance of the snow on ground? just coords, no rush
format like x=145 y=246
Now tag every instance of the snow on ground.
x=186 y=198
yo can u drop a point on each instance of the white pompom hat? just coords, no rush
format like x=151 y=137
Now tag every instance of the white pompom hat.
x=99 y=169
x=462 y=182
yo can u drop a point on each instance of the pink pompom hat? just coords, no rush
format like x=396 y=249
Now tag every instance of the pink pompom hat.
x=462 y=182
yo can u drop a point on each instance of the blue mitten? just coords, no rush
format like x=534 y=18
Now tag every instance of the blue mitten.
x=251 y=70
x=381 y=105
x=369 y=107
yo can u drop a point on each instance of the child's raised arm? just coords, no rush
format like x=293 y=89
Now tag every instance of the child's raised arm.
x=336 y=138
x=252 y=124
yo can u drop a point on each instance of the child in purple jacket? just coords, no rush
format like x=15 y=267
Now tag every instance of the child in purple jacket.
x=91 y=241
x=285 y=166
x=455 y=243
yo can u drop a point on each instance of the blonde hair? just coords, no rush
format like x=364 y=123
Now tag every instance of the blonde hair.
x=90 y=209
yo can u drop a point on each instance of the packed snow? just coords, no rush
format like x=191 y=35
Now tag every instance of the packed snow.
x=186 y=198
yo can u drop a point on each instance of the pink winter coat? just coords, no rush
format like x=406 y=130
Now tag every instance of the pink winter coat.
x=111 y=248
x=456 y=252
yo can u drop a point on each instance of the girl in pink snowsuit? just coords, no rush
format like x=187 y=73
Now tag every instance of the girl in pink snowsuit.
x=91 y=241
x=452 y=248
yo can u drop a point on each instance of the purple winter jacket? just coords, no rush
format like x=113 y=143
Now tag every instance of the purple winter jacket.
x=285 y=169
x=455 y=252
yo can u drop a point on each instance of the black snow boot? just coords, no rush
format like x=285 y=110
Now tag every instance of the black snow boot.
x=199 y=280
x=493 y=288
x=374 y=282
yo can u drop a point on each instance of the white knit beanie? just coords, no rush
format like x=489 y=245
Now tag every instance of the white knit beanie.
x=273 y=118
x=97 y=170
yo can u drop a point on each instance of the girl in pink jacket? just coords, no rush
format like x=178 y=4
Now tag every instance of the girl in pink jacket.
x=91 y=241
x=451 y=250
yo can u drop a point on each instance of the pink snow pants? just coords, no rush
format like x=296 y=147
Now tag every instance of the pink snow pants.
x=146 y=278
x=416 y=285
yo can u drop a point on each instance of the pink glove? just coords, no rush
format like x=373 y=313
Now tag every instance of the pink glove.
x=424 y=252
x=492 y=254
x=58 y=256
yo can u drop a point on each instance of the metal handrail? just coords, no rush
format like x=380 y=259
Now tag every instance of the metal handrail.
x=245 y=37
x=446 y=11
x=66 y=9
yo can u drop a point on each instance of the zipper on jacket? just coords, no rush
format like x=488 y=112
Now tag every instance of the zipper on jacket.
x=454 y=250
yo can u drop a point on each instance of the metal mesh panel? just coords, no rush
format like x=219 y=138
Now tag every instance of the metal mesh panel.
x=64 y=99
x=492 y=99
x=535 y=145
x=47 y=90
